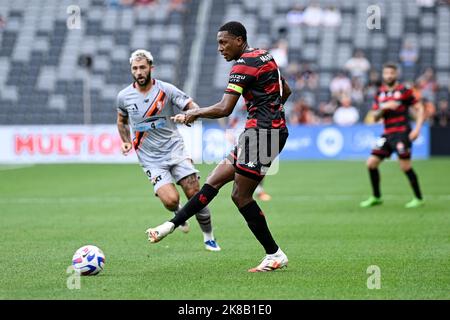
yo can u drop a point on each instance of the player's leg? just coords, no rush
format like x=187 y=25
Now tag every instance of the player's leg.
x=169 y=196
x=406 y=167
x=381 y=150
x=242 y=195
x=221 y=175
x=191 y=186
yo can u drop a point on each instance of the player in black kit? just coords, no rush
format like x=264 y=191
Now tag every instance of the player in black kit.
x=255 y=76
x=392 y=103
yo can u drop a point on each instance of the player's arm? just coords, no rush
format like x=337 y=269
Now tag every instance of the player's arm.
x=191 y=106
x=378 y=113
x=286 y=92
x=219 y=110
x=124 y=132
x=420 y=119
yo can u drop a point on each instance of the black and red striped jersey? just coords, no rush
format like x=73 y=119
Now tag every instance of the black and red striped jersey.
x=256 y=76
x=395 y=120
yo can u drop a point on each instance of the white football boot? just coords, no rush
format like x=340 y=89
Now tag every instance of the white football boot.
x=272 y=262
x=160 y=232
x=211 y=245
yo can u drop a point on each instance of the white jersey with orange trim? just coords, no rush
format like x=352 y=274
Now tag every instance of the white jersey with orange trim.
x=155 y=137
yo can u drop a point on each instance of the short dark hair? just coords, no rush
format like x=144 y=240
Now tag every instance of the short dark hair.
x=235 y=28
x=390 y=65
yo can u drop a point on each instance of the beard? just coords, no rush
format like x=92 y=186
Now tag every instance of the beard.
x=145 y=82
x=390 y=82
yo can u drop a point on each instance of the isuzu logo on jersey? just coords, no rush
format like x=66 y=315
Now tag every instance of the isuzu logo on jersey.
x=237 y=77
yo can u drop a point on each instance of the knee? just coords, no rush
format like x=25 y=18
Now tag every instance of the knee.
x=191 y=191
x=171 y=203
x=371 y=163
x=240 y=200
x=405 y=167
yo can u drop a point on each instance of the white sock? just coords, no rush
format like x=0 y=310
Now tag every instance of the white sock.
x=208 y=236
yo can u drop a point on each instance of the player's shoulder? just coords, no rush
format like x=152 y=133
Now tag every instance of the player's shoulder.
x=254 y=57
x=164 y=85
x=404 y=87
x=125 y=91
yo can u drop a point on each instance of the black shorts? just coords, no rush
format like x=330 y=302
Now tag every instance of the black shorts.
x=255 y=151
x=389 y=143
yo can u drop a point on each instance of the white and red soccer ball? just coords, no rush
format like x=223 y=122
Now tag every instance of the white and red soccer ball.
x=89 y=260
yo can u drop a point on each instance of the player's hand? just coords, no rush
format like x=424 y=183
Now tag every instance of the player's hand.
x=391 y=105
x=190 y=116
x=180 y=118
x=413 y=135
x=125 y=148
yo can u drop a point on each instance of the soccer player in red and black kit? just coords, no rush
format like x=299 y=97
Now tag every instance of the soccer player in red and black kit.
x=256 y=76
x=392 y=103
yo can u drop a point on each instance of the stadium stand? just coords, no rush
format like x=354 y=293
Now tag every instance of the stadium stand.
x=41 y=79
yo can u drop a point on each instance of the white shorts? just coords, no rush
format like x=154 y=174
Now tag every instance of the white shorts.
x=164 y=174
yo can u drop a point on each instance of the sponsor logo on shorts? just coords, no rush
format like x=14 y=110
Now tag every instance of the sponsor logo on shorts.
x=157 y=179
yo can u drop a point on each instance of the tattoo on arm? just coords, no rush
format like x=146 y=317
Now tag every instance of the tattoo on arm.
x=123 y=128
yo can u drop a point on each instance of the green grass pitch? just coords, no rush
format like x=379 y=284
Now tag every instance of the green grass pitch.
x=48 y=211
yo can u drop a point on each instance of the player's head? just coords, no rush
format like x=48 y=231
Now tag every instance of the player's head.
x=232 y=40
x=390 y=73
x=141 y=62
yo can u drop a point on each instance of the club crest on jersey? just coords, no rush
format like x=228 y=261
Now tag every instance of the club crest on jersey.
x=240 y=60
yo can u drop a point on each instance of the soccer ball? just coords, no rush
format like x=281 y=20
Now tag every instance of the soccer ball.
x=88 y=260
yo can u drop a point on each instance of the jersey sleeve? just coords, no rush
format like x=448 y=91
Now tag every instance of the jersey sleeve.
x=178 y=98
x=241 y=76
x=120 y=106
x=410 y=98
x=375 y=105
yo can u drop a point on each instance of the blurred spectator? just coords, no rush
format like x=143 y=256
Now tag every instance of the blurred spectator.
x=358 y=66
x=295 y=15
x=280 y=53
x=409 y=54
x=326 y=111
x=340 y=85
x=429 y=106
x=373 y=84
x=331 y=17
x=307 y=78
x=313 y=15
x=346 y=114
x=2 y=22
x=425 y=3
x=145 y=2
x=442 y=116
x=301 y=113
x=177 y=5
x=427 y=84
x=357 y=93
